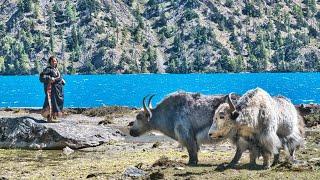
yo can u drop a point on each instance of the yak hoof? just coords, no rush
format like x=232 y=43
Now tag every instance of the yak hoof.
x=274 y=164
x=295 y=161
x=266 y=167
x=192 y=163
x=252 y=165
x=231 y=166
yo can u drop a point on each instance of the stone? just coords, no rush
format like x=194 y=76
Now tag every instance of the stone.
x=67 y=151
x=30 y=133
x=134 y=172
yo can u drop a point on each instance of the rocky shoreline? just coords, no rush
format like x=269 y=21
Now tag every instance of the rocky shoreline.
x=309 y=112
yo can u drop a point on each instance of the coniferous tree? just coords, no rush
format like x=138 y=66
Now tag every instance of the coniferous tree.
x=70 y=12
x=2 y=65
x=51 y=30
x=36 y=68
x=36 y=9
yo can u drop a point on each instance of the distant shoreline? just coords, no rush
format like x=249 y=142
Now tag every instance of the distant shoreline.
x=309 y=112
x=245 y=72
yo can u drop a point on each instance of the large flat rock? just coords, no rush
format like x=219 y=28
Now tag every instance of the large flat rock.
x=30 y=133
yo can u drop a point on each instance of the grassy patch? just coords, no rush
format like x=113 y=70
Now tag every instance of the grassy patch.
x=112 y=162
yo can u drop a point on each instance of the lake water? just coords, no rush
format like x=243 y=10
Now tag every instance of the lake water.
x=128 y=90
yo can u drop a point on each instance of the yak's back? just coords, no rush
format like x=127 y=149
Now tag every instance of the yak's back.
x=254 y=105
x=193 y=107
x=254 y=98
x=182 y=100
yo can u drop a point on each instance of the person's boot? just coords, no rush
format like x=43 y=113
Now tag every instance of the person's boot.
x=49 y=119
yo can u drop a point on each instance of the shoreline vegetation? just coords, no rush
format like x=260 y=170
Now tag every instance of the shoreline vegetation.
x=153 y=155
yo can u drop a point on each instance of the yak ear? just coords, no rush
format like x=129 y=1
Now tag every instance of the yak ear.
x=234 y=115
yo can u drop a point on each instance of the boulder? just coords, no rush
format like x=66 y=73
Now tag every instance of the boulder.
x=30 y=133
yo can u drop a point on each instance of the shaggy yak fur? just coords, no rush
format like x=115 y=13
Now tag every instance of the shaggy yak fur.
x=185 y=117
x=261 y=124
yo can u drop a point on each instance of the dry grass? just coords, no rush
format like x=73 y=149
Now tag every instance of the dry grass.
x=110 y=161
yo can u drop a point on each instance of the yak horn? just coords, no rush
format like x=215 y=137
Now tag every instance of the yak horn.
x=229 y=100
x=145 y=108
x=149 y=102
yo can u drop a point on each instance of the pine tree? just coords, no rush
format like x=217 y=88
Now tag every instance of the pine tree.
x=70 y=12
x=144 y=63
x=25 y=5
x=24 y=64
x=51 y=30
x=152 y=57
x=2 y=65
x=36 y=9
x=197 y=64
x=36 y=68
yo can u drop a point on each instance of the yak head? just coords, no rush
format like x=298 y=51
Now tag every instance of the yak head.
x=223 y=120
x=142 y=123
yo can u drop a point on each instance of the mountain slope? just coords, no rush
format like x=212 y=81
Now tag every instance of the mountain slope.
x=140 y=36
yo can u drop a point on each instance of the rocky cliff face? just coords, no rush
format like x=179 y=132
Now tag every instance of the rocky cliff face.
x=183 y=36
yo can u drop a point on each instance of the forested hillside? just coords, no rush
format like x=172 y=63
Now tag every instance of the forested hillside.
x=156 y=36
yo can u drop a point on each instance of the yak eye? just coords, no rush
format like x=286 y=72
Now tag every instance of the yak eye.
x=139 y=116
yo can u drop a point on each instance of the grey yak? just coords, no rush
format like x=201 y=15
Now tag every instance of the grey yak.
x=184 y=117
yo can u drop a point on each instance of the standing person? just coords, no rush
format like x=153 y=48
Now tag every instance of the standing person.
x=53 y=88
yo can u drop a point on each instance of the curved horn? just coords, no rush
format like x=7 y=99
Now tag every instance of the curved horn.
x=229 y=100
x=146 y=109
x=144 y=103
x=149 y=102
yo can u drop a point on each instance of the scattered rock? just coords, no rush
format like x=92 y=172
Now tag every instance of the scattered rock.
x=107 y=120
x=92 y=175
x=156 y=144
x=134 y=172
x=179 y=168
x=67 y=151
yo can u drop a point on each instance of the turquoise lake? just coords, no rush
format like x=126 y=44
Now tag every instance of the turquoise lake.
x=128 y=90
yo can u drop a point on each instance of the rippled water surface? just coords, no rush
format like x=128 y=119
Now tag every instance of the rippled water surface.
x=128 y=90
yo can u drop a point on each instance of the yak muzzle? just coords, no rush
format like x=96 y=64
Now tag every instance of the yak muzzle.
x=134 y=133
